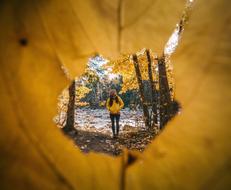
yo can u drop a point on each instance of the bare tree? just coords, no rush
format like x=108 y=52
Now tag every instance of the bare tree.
x=153 y=89
x=164 y=93
x=71 y=109
x=141 y=89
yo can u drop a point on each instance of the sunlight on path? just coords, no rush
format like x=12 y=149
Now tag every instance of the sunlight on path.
x=99 y=119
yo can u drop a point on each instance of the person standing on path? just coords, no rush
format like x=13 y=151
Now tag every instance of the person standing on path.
x=114 y=104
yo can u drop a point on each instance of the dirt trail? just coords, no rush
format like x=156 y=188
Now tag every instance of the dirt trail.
x=98 y=142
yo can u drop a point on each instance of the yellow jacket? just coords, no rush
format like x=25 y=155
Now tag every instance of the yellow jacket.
x=116 y=107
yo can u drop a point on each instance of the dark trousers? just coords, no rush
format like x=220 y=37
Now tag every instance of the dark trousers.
x=115 y=129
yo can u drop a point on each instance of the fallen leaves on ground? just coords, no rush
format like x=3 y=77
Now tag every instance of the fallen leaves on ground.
x=96 y=141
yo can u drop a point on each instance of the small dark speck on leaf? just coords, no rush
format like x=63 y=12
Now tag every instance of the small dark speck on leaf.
x=131 y=159
x=23 y=41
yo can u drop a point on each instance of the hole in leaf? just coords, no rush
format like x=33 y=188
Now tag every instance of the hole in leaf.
x=145 y=86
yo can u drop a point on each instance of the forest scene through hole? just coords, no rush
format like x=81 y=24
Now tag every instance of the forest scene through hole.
x=122 y=103
x=118 y=104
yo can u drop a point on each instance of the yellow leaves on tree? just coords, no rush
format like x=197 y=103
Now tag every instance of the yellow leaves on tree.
x=124 y=67
x=81 y=92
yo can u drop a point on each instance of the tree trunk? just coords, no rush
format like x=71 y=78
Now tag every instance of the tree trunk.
x=71 y=109
x=153 y=89
x=165 y=98
x=141 y=89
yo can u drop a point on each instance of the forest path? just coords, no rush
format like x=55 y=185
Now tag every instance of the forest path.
x=104 y=143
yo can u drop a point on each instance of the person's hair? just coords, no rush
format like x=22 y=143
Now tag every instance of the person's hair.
x=111 y=100
x=112 y=91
